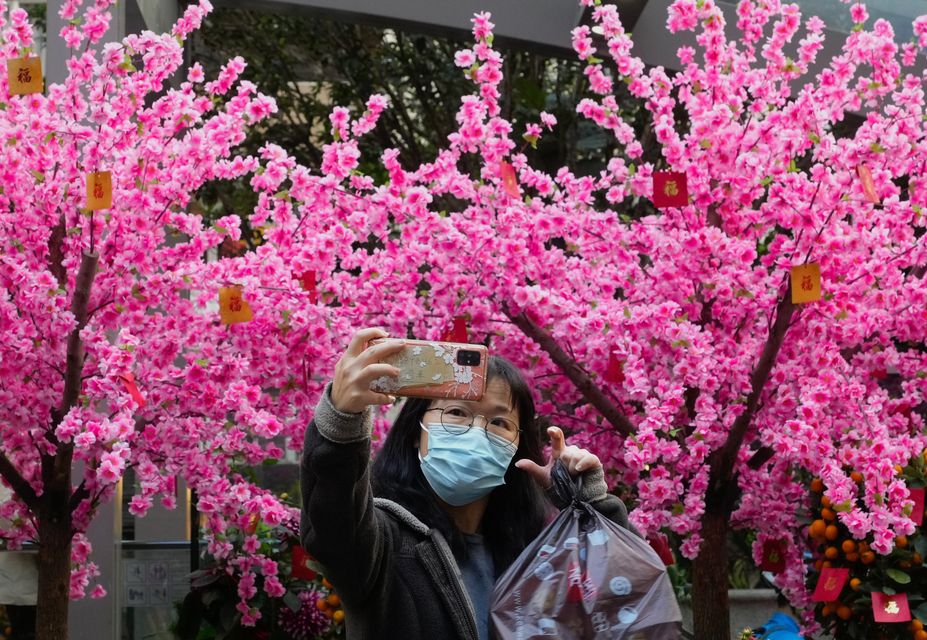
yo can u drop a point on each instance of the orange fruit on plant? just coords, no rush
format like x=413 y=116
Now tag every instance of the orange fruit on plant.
x=818 y=564
x=338 y=616
x=825 y=502
x=920 y=634
x=831 y=553
x=333 y=600
x=916 y=625
x=831 y=532
x=848 y=546
x=326 y=583
x=844 y=612
x=827 y=564
x=854 y=584
x=867 y=557
x=321 y=604
x=901 y=542
x=828 y=514
x=818 y=528
x=853 y=557
x=827 y=610
x=916 y=558
x=856 y=476
x=817 y=485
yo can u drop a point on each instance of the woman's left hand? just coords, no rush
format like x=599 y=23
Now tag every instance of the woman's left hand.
x=576 y=460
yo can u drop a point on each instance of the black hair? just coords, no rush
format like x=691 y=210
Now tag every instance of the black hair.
x=517 y=510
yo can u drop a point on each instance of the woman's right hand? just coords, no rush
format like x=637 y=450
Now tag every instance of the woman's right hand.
x=358 y=367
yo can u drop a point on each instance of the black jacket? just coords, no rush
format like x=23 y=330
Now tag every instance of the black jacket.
x=396 y=576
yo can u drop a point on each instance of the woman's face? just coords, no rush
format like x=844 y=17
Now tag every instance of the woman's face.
x=496 y=403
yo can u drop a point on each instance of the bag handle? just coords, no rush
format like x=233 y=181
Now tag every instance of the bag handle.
x=565 y=488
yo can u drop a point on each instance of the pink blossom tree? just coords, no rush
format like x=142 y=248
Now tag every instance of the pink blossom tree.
x=110 y=358
x=668 y=341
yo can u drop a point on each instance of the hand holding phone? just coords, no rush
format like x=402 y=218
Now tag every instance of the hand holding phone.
x=435 y=369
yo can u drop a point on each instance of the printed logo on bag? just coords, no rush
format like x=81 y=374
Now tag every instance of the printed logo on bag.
x=620 y=586
x=544 y=571
x=547 y=627
x=575 y=581
x=627 y=615
x=599 y=621
x=571 y=543
x=598 y=537
x=546 y=551
x=590 y=590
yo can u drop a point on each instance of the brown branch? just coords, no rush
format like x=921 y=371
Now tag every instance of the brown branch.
x=728 y=453
x=75 y=356
x=20 y=485
x=55 y=255
x=56 y=471
x=572 y=370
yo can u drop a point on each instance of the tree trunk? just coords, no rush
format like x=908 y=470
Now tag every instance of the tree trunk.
x=710 y=606
x=54 y=564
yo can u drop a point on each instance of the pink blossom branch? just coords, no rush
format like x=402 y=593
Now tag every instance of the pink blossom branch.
x=571 y=369
x=727 y=455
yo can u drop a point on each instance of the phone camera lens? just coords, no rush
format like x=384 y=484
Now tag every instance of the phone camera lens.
x=467 y=358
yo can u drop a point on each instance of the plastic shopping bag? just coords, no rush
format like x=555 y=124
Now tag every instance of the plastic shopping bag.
x=585 y=577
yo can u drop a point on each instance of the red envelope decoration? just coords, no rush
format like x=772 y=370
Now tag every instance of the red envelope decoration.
x=773 y=556
x=614 y=371
x=865 y=178
x=830 y=584
x=128 y=380
x=509 y=179
x=301 y=570
x=806 y=283
x=457 y=332
x=917 y=513
x=670 y=189
x=886 y=608
x=309 y=283
x=24 y=75
x=233 y=308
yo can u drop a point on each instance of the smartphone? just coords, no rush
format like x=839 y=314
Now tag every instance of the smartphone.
x=436 y=369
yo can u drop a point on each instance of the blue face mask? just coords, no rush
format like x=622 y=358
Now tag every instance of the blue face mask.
x=466 y=467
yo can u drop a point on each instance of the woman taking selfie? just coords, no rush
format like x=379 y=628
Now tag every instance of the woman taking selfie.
x=414 y=542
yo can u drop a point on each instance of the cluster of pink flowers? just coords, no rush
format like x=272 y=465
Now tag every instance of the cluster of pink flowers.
x=683 y=299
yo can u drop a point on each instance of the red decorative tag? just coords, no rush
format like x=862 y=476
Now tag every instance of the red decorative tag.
x=670 y=189
x=128 y=380
x=301 y=570
x=457 y=332
x=614 y=371
x=773 y=556
x=865 y=178
x=309 y=283
x=659 y=544
x=886 y=608
x=509 y=179
x=917 y=513
x=830 y=584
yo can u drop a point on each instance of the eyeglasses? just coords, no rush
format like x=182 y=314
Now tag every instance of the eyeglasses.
x=457 y=420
